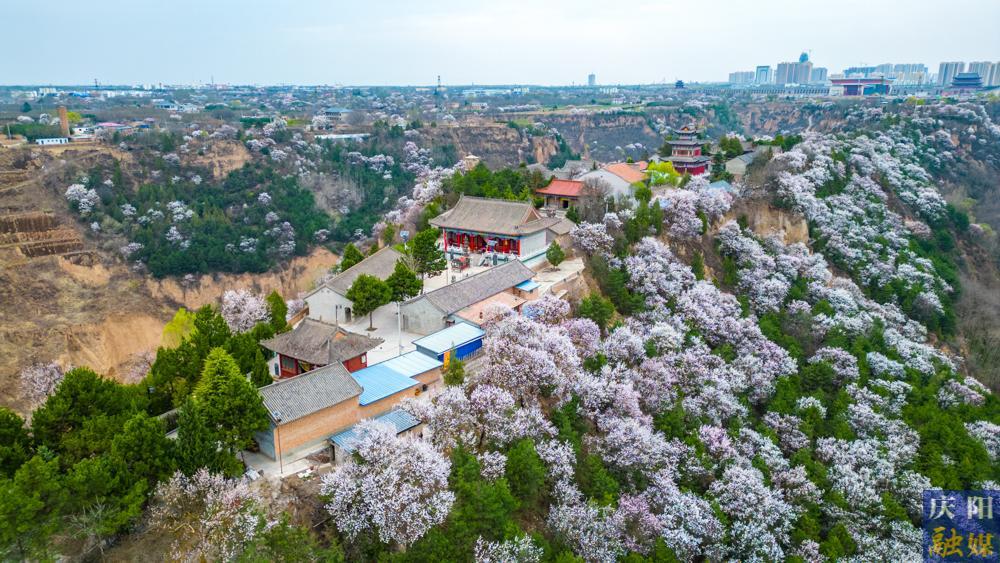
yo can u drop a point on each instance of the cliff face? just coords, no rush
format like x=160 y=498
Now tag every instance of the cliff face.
x=598 y=135
x=591 y=135
x=90 y=310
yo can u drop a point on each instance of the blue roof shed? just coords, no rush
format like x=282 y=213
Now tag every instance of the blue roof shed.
x=527 y=285
x=455 y=336
x=399 y=418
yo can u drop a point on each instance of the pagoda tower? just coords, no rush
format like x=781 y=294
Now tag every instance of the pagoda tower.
x=685 y=152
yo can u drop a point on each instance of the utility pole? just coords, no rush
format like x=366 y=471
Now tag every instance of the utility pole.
x=399 y=327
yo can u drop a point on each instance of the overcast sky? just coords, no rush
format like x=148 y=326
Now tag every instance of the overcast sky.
x=494 y=42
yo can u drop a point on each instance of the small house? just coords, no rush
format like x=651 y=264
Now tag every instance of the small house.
x=313 y=344
x=738 y=166
x=457 y=341
x=561 y=194
x=329 y=302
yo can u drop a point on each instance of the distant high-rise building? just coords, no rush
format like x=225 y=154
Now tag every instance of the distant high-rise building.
x=794 y=73
x=885 y=69
x=995 y=75
x=948 y=71
x=741 y=77
x=763 y=75
x=909 y=68
x=591 y=80
x=859 y=71
x=984 y=69
x=818 y=75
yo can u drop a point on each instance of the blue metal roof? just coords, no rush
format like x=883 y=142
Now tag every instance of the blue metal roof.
x=411 y=364
x=448 y=338
x=392 y=376
x=379 y=382
x=721 y=185
x=399 y=418
x=527 y=285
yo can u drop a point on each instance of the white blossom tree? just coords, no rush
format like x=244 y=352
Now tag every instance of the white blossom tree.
x=397 y=487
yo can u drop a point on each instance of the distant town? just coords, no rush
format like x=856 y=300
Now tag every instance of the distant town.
x=801 y=76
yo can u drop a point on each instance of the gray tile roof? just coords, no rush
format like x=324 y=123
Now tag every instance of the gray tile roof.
x=564 y=226
x=461 y=294
x=320 y=343
x=310 y=392
x=381 y=264
x=499 y=216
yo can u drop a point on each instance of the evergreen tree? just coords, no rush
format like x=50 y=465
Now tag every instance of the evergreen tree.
x=698 y=265
x=279 y=311
x=525 y=473
x=427 y=258
x=351 y=257
x=260 y=376
x=454 y=373
x=142 y=451
x=403 y=283
x=368 y=293
x=25 y=107
x=598 y=309
x=84 y=414
x=198 y=446
x=15 y=443
x=289 y=543
x=573 y=215
x=232 y=407
x=31 y=509
x=555 y=254
x=389 y=234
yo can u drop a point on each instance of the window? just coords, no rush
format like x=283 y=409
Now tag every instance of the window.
x=423 y=387
x=364 y=358
x=287 y=363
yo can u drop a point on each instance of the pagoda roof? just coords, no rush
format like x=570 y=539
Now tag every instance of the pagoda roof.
x=493 y=216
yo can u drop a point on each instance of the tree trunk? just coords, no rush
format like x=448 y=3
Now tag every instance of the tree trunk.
x=370 y=327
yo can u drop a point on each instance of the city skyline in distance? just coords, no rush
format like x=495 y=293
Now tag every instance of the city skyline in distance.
x=395 y=43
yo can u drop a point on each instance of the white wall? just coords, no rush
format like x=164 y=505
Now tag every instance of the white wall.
x=323 y=306
x=533 y=243
x=421 y=317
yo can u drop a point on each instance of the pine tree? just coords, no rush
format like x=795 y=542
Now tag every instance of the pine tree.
x=427 y=258
x=259 y=375
x=231 y=404
x=555 y=254
x=454 y=374
x=279 y=310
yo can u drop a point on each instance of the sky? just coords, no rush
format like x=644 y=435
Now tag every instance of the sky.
x=543 y=42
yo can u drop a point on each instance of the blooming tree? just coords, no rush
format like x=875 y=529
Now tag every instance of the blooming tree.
x=242 y=310
x=396 y=486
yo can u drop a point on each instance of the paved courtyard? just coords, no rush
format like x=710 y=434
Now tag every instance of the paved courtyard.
x=386 y=321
